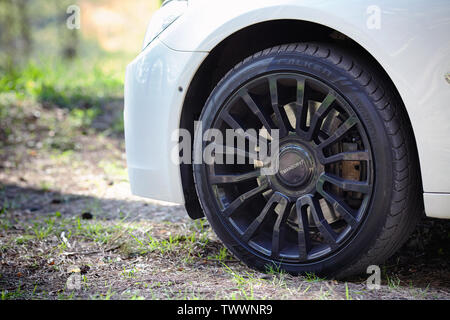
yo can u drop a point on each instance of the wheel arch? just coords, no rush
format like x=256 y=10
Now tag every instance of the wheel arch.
x=238 y=46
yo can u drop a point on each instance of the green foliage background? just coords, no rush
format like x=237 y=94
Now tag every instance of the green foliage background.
x=34 y=59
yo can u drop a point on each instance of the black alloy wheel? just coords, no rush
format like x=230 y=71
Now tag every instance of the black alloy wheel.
x=326 y=205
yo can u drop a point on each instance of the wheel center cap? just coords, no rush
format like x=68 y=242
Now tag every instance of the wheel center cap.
x=295 y=166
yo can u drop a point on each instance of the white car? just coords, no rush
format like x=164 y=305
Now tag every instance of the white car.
x=357 y=94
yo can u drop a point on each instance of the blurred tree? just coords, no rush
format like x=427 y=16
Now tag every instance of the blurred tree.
x=15 y=31
x=24 y=26
x=69 y=38
x=35 y=27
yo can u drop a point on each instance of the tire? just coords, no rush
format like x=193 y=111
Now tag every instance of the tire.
x=333 y=216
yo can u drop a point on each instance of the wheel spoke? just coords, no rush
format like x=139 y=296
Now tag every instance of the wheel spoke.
x=321 y=223
x=303 y=231
x=273 y=87
x=254 y=226
x=255 y=109
x=321 y=112
x=244 y=197
x=232 y=122
x=241 y=155
x=338 y=204
x=276 y=235
x=239 y=129
x=340 y=132
x=325 y=229
x=345 y=184
x=346 y=156
x=301 y=112
x=227 y=150
x=233 y=178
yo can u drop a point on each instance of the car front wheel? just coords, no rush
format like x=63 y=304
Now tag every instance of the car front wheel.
x=347 y=191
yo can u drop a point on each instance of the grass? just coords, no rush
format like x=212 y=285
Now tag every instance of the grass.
x=191 y=238
x=24 y=239
x=96 y=231
x=66 y=230
x=347 y=293
x=312 y=278
x=12 y=295
x=130 y=273
x=323 y=294
x=393 y=281
x=185 y=243
x=43 y=229
x=122 y=234
x=183 y=247
x=48 y=103
x=420 y=293
x=245 y=284
x=222 y=256
x=164 y=247
x=188 y=244
x=77 y=85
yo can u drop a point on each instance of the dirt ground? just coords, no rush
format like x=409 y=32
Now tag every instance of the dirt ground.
x=70 y=229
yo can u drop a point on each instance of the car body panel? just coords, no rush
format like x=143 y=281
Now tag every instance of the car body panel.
x=412 y=45
x=437 y=205
x=152 y=111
